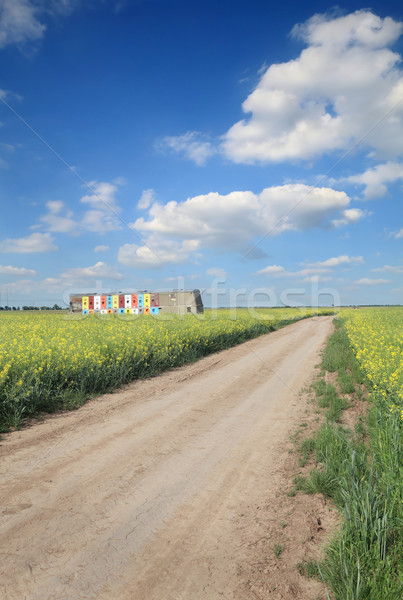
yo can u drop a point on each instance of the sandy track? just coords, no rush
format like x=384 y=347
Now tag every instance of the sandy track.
x=139 y=494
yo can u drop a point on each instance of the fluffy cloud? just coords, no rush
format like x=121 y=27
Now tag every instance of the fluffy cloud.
x=368 y=281
x=100 y=270
x=19 y=22
x=345 y=82
x=102 y=216
x=36 y=242
x=335 y=261
x=316 y=269
x=272 y=270
x=157 y=254
x=19 y=271
x=349 y=216
x=104 y=213
x=147 y=198
x=192 y=145
x=175 y=231
x=56 y=221
x=389 y=269
x=398 y=234
x=101 y=248
x=231 y=221
x=375 y=179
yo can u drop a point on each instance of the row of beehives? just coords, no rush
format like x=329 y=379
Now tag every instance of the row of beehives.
x=121 y=303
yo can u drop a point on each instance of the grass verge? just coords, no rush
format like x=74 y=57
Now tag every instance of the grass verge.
x=361 y=470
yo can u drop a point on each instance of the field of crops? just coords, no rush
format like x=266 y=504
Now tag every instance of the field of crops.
x=52 y=361
x=376 y=334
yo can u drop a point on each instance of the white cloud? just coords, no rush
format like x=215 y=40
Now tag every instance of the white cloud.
x=389 y=269
x=158 y=254
x=103 y=215
x=36 y=242
x=375 y=179
x=55 y=221
x=368 y=281
x=335 y=261
x=101 y=248
x=217 y=272
x=100 y=270
x=349 y=216
x=231 y=221
x=20 y=271
x=271 y=270
x=19 y=22
x=191 y=144
x=307 y=273
x=341 y=85
x=147 y=198
x=312 y=270
x=398 y=234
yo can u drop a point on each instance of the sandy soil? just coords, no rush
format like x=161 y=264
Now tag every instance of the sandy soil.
x=171 y=489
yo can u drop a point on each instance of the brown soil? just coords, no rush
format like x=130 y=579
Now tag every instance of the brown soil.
x=174 y=488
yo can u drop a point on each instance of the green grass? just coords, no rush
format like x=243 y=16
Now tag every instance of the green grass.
x=364 y=559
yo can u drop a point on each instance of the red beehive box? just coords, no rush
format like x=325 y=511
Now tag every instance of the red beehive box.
x=155 y=299
x=103 y=301
x=91 y=302
x=134 y=301
x=121 y=301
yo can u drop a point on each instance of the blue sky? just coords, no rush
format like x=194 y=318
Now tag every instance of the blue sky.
x=250 y=149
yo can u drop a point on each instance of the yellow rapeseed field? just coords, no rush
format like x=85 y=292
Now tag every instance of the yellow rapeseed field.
x=50 y=361
x=376 y=334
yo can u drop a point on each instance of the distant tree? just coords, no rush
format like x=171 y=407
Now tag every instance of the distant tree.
x=56 y=307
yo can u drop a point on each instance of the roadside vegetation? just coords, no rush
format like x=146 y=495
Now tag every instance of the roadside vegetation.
x=360 y=466
x=50 y=362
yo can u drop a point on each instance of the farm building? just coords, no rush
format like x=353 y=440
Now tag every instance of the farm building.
x=137 y=303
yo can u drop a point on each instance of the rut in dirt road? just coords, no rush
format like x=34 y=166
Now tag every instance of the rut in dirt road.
x=137 y=494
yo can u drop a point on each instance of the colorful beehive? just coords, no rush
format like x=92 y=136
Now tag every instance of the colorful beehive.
x=175 y=301
x=135 y=311
x=155 y=299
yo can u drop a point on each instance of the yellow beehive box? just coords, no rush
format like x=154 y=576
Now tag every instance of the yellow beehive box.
x=85 y=302
x=115 y=301
x=147 y=299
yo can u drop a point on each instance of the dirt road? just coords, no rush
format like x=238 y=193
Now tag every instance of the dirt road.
x=143 y=494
